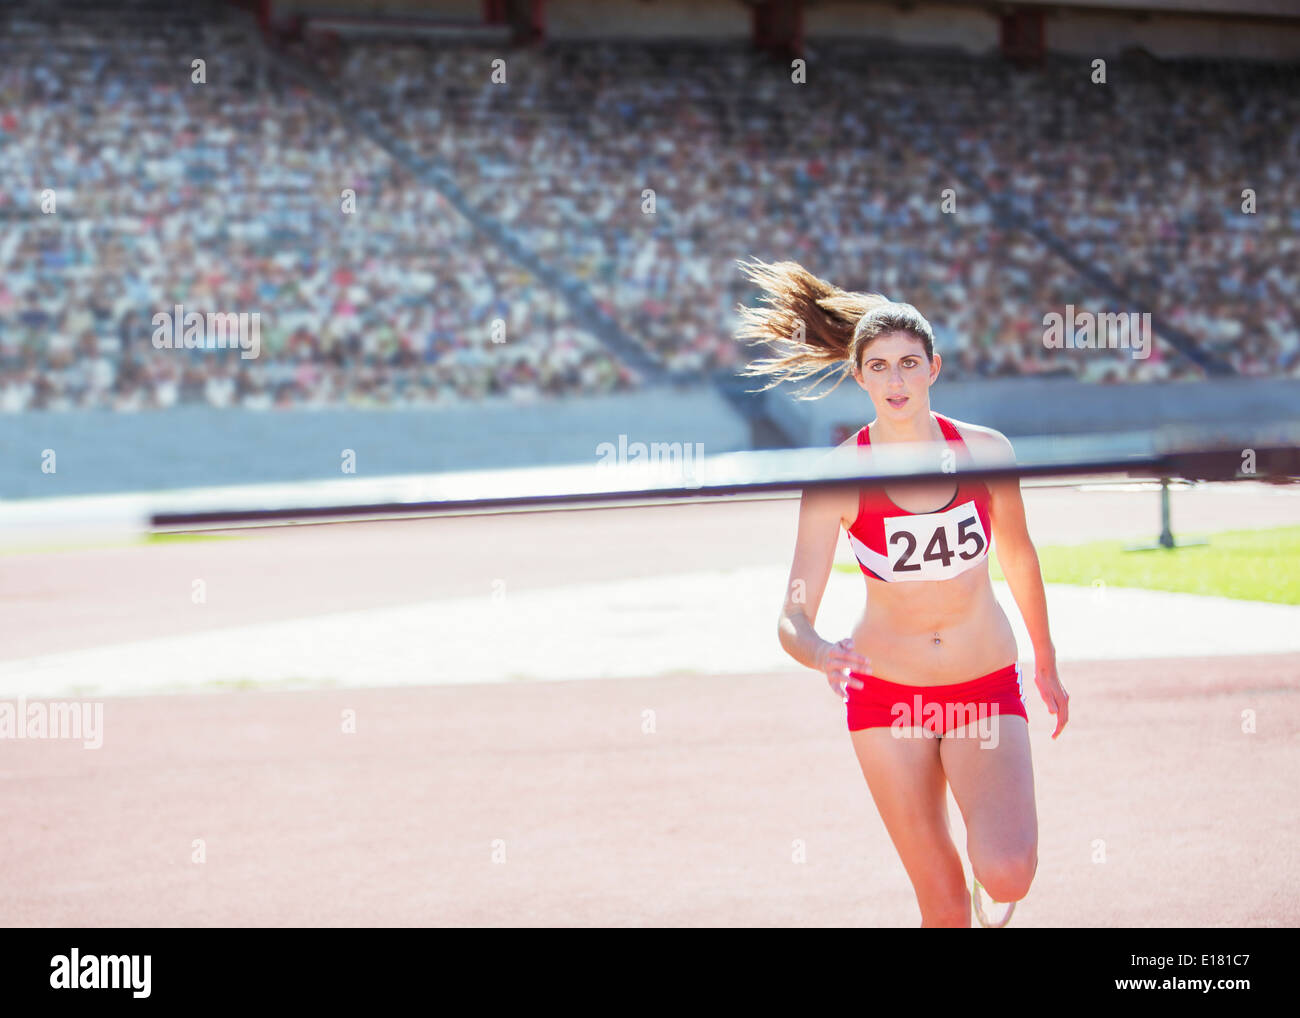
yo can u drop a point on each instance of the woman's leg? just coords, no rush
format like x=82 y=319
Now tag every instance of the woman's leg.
x=908 y=785
x=993 y=783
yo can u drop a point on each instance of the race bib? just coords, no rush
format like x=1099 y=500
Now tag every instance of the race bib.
x=928 y=546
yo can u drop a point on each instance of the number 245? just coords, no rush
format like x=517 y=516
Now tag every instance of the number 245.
x=937 y=549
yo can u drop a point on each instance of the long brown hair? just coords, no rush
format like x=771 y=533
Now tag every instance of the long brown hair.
x=816 y=328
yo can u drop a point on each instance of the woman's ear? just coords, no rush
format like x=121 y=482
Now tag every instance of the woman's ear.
x=935 y=365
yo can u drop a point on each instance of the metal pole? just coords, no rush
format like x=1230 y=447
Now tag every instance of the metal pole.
x=1166 y=538
x=1166 y=535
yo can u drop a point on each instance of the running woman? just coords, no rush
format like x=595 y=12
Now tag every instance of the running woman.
x=933 y=635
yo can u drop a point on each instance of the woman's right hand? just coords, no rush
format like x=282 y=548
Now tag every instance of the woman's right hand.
x=837 y=660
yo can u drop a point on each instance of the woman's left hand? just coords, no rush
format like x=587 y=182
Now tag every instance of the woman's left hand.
x=1051 y=690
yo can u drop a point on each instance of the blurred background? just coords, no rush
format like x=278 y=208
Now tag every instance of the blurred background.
x=494 y=233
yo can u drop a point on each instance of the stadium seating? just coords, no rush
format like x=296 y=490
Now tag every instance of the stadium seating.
x=227 y=195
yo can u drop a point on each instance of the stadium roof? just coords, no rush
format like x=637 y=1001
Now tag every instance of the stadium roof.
x=1288 y=9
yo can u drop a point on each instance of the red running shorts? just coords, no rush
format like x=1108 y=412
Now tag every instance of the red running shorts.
x=935 y=709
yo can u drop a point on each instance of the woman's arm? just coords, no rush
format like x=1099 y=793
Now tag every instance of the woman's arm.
x=814 y=553
x=1019 y=562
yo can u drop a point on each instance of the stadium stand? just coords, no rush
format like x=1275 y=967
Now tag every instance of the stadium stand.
x=226 y=195
x=562 y=152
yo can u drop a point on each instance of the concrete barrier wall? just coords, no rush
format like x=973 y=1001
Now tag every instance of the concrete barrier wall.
x=104 y=452
x=1054 y=406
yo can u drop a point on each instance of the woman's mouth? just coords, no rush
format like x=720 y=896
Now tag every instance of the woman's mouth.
x=896 y=401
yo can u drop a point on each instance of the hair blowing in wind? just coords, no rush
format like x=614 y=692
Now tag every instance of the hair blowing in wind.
x=809 y=324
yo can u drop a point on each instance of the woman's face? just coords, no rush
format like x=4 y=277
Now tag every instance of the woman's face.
x=897 y=376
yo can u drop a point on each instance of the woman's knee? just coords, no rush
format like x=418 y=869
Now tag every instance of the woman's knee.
x=1007 y=873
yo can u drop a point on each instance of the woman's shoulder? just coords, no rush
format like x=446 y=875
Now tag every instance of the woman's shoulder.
x=847 y=500
x=985 y=444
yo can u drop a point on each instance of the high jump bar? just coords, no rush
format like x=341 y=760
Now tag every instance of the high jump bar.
x=1202 y=452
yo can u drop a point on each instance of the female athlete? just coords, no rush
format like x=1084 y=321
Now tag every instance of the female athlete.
x=929 y=676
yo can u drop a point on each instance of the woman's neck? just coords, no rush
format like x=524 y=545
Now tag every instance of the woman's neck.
x=918 y=428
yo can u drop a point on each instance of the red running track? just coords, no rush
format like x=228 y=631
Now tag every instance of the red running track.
x=600 y=822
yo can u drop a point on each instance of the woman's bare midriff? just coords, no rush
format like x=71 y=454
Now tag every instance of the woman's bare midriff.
x=931 y=633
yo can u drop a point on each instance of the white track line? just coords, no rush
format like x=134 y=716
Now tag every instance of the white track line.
x=707 y=623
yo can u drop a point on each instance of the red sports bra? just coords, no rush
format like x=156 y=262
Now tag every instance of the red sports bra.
x=892 y=544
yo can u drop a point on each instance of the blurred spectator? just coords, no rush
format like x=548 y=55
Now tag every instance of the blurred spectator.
x=228 y=197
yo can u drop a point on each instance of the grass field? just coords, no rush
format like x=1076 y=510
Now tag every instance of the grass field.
x=1253 y=565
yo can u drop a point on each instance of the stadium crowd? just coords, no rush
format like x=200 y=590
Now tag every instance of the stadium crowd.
x=847 y=174
x=1172 y=179
x=229 y=195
